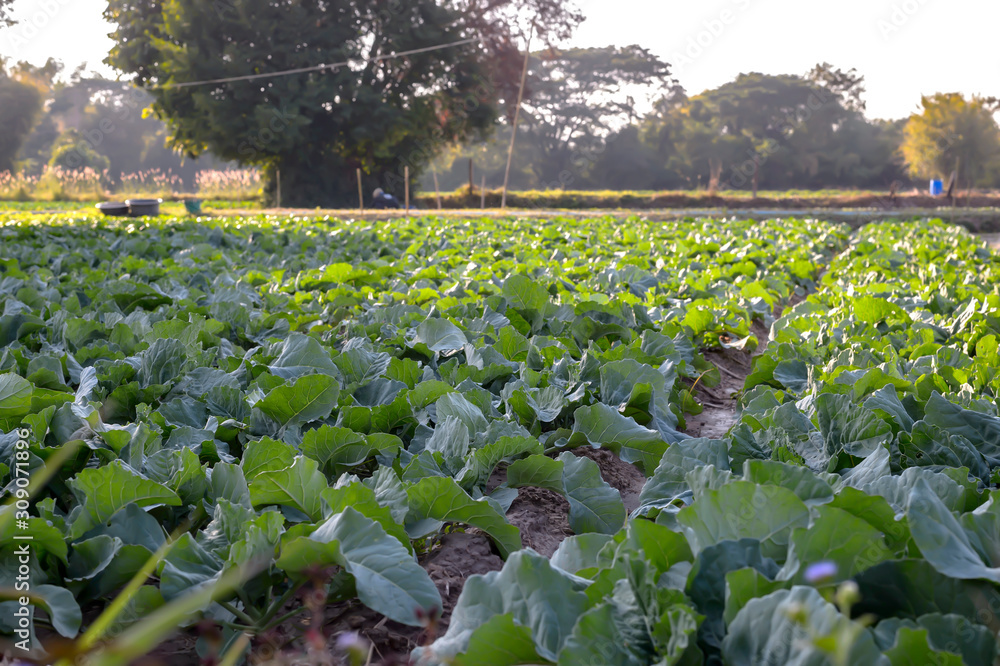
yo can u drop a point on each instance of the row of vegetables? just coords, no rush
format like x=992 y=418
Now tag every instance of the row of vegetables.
x=847 y=518
x=233 y=411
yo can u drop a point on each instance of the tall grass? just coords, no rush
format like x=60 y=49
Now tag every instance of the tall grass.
x=235 y=184
x=17 y=187
x=152 y=184
x=57 y=184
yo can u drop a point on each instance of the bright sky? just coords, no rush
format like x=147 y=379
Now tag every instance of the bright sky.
x=904 y=48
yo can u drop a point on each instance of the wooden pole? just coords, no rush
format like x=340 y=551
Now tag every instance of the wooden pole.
x=279 y=188
x=482 y=192
x=953 y=183
x=437 y=190
x=472 y=187
x=361 y=194
x=406 y=175
x=517 y=116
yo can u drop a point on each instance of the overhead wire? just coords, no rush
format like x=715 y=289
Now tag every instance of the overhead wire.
x=315 y=68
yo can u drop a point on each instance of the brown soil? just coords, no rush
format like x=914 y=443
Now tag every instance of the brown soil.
x=541 y=515
x=459 y=556
x=497 y=478
x=620 y=475
x=720 y=402
x=389 y=641
x=763 y=333
x=543 y=518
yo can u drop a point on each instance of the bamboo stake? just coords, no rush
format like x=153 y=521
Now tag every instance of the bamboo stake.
x=361 y=194
x=517 y=115
x=437 y=190
x=406 y=175
x=482 y=191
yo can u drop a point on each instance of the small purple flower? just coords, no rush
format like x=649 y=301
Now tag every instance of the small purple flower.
x=349 y=640
x=821 y=571
x=357 y=648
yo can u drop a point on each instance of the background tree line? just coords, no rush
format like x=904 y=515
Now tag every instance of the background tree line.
x=582 y=129
x=80 y=122
x=593 y=118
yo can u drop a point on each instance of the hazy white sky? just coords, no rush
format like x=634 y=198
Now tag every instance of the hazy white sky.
x=904 y=48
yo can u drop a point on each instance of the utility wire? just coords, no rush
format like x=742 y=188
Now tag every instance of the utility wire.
x=316 y=68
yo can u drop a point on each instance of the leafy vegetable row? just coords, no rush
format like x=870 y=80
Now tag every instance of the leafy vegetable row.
x=847 y=518
x=298 y=401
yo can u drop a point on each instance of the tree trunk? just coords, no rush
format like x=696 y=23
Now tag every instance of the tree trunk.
x=715 y=175
x=329 y=184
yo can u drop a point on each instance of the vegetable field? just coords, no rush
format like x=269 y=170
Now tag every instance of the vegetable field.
x=469 y=442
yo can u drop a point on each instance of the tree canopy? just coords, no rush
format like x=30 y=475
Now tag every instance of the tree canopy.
x=952 y=134
x=762 y=122
x=21 y=99
x=593 y=118
x=379 y=113
x=5 y=19
x=581 y=96
x=581 y=130
x=90 y=119
x=72 y=151
x=579 y=99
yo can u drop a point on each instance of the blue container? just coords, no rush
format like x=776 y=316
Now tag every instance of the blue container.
x=937 y=188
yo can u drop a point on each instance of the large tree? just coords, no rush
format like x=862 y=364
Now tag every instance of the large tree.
x=109 y=119
x=761 y=124
x=577 y=125
x=952 y=134
x=378 y=113
x=580 y=98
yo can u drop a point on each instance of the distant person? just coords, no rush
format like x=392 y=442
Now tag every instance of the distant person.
x=382 y=201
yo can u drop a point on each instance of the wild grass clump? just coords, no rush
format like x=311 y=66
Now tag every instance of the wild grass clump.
x=231 y=184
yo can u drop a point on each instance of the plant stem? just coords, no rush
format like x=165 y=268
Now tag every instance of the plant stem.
x=238 y=628
x=238 y=613
x=249 y=607
x=290 y=614
x=274 y=608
